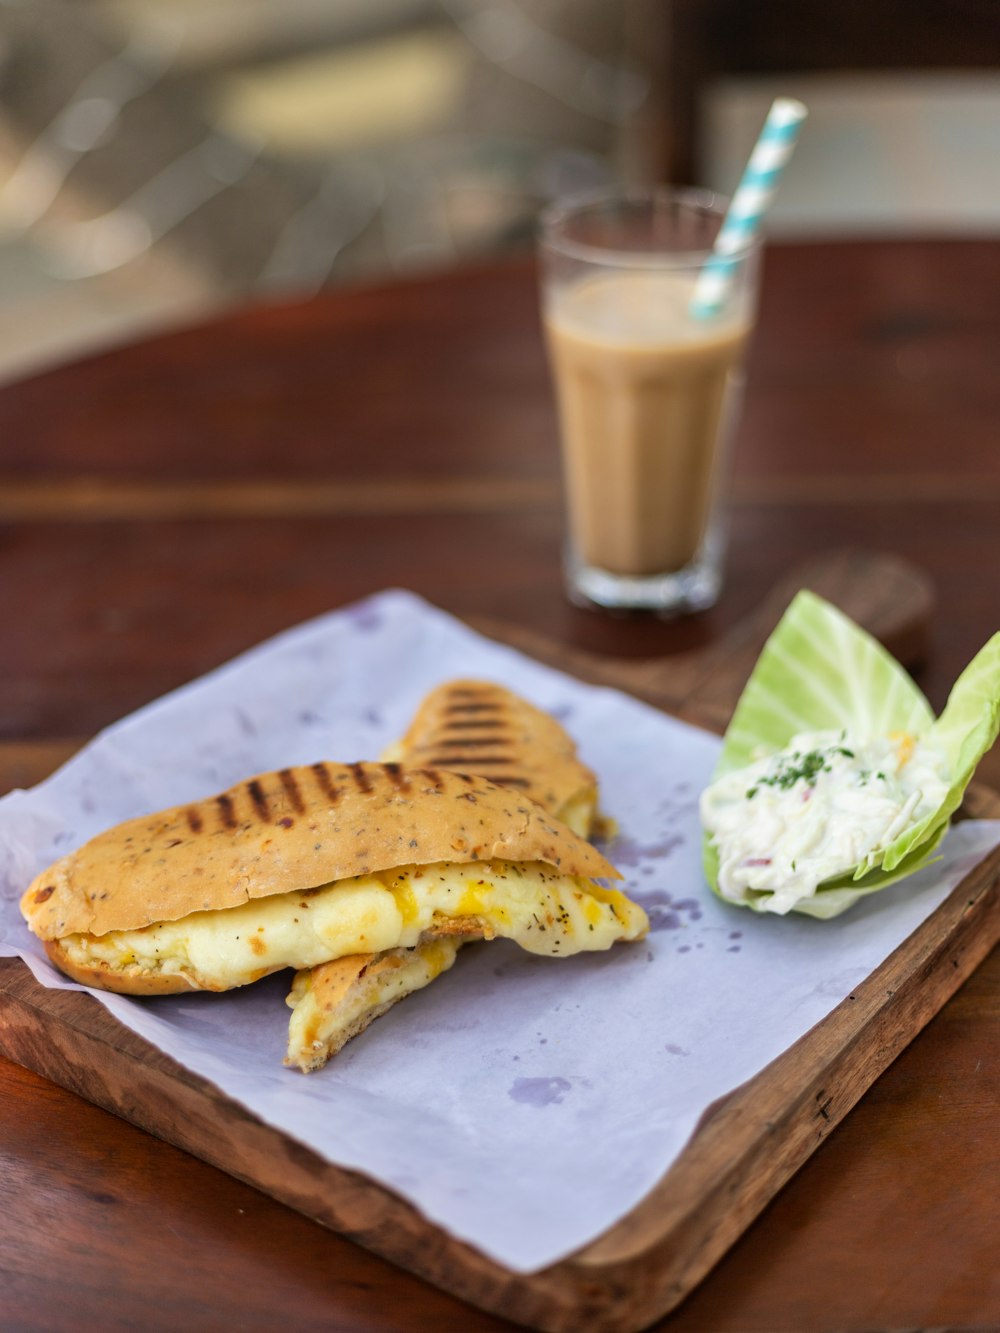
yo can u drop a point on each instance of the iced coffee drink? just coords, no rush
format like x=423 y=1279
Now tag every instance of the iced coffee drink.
x=646 y=395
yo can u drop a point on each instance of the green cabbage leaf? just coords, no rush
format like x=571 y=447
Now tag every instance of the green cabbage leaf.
x=818 y=672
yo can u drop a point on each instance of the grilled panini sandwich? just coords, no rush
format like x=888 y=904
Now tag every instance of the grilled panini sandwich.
x=474 y=727
x=298 y=867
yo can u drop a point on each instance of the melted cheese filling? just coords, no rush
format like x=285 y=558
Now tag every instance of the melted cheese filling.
x=319 y=1027
x=532 y=903
x=579 y=813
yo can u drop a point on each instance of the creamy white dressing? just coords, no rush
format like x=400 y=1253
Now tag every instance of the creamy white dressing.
x=815 y=810
x=543 y=910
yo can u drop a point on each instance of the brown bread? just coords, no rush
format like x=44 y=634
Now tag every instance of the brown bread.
x=475 y=726
x=294 y=829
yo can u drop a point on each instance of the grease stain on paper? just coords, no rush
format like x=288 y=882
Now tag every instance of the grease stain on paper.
x=539 y=1091
x=245 y=722
x=666 y=912
x=629 y=852
x=364 y=616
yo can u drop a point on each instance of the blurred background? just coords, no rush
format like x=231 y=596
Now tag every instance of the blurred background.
x=161 y=159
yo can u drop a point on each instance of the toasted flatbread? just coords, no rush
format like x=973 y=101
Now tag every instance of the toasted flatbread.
x=336 y=1001
x=479 y=727
x=295 y=868
x=476 y=726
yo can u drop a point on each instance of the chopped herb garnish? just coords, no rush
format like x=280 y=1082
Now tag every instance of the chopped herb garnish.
x=798 y=768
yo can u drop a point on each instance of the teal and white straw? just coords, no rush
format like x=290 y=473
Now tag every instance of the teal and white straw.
x=749 y=204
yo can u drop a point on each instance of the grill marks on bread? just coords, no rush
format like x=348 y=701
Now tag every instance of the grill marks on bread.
x=290 y=785
x=268 y=799
x=272 y=798
x=398 y=778
x=475 y=730
x=479 y=727
x=292 y=830
x=324 y=779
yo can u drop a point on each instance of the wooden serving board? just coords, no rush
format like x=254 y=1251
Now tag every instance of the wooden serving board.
x=746 y=1146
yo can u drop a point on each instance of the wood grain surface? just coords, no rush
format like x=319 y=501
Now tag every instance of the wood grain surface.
x=749 y=1144
x=168 y=504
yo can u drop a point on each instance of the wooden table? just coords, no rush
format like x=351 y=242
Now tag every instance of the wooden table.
x=165 y=505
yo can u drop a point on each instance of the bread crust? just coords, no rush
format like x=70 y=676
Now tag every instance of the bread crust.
x=332 y=986
x=124 y=981
x=294 y=829
x=477 y=726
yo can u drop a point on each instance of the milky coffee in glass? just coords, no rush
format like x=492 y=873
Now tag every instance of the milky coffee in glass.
x=646 y=394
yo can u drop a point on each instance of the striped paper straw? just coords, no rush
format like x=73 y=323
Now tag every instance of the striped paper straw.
x=749 y=204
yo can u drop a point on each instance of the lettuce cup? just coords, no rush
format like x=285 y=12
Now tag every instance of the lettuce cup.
x=835 y=778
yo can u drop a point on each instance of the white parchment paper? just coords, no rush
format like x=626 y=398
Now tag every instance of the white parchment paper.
x=525 y=1104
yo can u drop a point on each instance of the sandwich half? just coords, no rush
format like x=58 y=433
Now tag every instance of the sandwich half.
x=310 y=864
x=475 y=727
